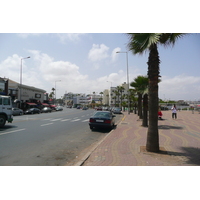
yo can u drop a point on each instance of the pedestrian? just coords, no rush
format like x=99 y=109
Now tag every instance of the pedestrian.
x=160 y=114
x=174 y=112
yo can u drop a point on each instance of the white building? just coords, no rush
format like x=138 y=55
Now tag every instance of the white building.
x=115 y=95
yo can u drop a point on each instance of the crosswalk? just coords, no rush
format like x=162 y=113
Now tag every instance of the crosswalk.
x=65 y=120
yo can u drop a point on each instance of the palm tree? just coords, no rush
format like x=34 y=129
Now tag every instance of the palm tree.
x=101 y=93
x=138 y=44
x=140 y=84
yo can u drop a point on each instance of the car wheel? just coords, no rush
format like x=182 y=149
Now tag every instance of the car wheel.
x=31 y=112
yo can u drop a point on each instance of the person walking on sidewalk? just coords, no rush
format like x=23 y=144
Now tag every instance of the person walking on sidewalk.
x=174 y=112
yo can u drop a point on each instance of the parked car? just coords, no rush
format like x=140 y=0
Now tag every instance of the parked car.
x=99 y=108
x=117 y=111
x=102 y=119
x=17 y=111
x=46 y=110
x=84 y=108
x=32 y=111
x=59 y=108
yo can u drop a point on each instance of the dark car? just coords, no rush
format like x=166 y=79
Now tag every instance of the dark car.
x=32 y=111
x=17 y=111
x=102 y=119
x=117 y=111
x=46 y=110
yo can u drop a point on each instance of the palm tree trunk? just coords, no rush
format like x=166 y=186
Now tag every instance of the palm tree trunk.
x=145 y=111
x=152 y=144
x=140 y=105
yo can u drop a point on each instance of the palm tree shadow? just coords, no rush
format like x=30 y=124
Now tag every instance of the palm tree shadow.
x=169 y=127
x=192 y=154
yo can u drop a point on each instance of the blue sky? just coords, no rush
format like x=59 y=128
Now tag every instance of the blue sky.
x=88 y=62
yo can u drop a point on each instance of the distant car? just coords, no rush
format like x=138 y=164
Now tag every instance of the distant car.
x=59 y=108
x=32 y=111
x=17 y=111
x=117 y=111
x=99 y=108
x=46 y=110
x=84 y=108
x=102 y=119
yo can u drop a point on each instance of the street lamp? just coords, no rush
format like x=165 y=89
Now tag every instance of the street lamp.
x=127 y=78
x=20 y=95
x=55 y=88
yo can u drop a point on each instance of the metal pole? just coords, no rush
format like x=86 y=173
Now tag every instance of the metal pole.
x=20 y=94
x=128 y=83
x=127 y=78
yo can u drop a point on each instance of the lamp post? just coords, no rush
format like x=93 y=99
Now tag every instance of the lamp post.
x=20 y=95
x=55 y=89
x=109 y=98
x=127 y=78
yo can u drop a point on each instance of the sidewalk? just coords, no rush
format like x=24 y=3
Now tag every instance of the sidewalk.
x=125 y=146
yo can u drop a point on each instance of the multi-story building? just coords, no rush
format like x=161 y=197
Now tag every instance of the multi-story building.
x=116 y=95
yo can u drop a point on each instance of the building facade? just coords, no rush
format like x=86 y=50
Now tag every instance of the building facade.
x=117 y=95
x=24 y=92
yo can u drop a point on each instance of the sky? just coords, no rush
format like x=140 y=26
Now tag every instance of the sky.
x=88 y=62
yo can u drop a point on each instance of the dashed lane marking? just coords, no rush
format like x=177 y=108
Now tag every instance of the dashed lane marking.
x=12 y=131
x=75 y=120
x=46 y=124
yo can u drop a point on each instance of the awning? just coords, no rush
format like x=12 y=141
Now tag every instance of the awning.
x=45 y=104
x=53 y=106
x=32 y=104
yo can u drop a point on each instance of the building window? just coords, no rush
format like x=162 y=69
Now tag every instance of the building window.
x=37 y=95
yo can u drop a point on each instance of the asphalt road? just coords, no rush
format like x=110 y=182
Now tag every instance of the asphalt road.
x=48 y=139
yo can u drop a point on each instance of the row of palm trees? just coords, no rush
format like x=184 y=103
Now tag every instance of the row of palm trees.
x=149 y=42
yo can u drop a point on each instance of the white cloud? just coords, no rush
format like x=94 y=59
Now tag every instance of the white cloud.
x=114 y=55
x=180 y=87
x=69 y=36
x=98 y=52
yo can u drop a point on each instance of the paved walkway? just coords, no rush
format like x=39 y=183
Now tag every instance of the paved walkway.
x=125 y=146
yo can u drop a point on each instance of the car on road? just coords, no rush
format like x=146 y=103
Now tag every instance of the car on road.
x=46 y=110
x=59 y=108
x=102 y=119
x=17 y=111
x=117 y=111
x=32 y=111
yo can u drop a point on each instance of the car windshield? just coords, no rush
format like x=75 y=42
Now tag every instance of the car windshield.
x=102 y=114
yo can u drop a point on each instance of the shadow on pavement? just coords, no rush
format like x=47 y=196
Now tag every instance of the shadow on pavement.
x=169 y=127
x=103 y=130
x=191 y=153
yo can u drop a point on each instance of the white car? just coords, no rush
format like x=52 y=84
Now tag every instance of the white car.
x=17 y=111
x=59 y=108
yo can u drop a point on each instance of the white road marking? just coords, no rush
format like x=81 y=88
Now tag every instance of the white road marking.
x=12 y=131
x=64 y=120
x=47 y=119
x=53 y=120
x=87 y=120
x=75 y=120
x=46 y=124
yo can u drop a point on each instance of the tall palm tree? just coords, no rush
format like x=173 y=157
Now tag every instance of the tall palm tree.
x=140 y=84
x=138 y=44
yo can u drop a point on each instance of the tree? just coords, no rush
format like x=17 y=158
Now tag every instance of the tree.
x=140 y=84
x=138 y=44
